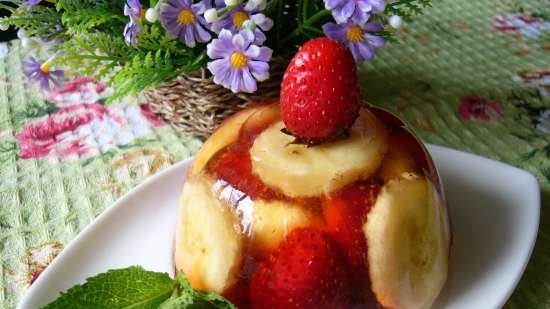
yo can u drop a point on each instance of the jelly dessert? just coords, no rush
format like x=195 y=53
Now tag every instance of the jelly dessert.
x=316 y=201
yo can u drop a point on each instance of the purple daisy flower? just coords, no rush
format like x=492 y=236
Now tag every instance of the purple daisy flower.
x=358 y=10
x=183 y=19
x=131 y=31
x=357 y=37
x=238 y=63
x=235 y=20
x=41 y=73
x=135 y=11
x=31 y=3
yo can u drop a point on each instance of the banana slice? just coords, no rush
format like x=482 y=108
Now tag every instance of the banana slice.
x=229 y=131
x=299 y=171
x=408 y=240
x=209 y=242
x=272 y=221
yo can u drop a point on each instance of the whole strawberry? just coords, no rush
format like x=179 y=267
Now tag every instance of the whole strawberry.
x=307 y=271
x=320 y=96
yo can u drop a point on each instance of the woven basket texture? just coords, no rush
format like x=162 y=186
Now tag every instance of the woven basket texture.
x=193 y=103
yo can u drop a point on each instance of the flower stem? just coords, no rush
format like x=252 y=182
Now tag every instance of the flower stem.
x=307 y=23
x=228 y=9
x=196 y=64
x=97 y=57
x=304 y=10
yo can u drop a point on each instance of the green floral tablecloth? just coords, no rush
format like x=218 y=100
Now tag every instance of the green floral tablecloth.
x=472 y=75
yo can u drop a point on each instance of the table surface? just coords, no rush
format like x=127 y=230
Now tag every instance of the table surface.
x=471 y=75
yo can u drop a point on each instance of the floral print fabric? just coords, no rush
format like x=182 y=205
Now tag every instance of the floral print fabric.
x=82 y=127
x=65 y=155
x=471 y=75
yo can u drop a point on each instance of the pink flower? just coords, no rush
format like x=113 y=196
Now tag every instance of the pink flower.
x=80 y=90
x=84 y=130
x=474 y=107
x=45 y=136
x=82 y=127
x=520 y=23
x=150 y=116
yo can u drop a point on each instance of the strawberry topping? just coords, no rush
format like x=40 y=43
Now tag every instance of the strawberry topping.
x=320 y=96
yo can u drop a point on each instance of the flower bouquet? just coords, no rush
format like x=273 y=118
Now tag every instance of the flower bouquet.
x=196 y=61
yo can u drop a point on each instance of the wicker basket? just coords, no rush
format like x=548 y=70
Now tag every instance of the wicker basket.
x=193 y=103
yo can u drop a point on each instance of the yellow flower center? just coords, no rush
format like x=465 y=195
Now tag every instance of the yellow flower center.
x=239 y=18
x=186 y=17
x=238 y=60
x=354 y=34
x=45 y=67
x=142 y=14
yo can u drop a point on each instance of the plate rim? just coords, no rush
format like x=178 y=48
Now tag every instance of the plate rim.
x=534 y=185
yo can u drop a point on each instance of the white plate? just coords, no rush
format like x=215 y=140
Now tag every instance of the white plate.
x=494 y=210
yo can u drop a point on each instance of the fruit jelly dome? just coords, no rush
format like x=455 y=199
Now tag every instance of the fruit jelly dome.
x=343 y=211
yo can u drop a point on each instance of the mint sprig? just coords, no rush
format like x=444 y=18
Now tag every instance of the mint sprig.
x=136 y=288
x=184 y=297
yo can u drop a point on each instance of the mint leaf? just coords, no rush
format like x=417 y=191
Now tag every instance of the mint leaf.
x=213 y=300
x=185 y=297
x=196 y=301
x=178 y=301
x=131 y=287
x=136 y=288
x=183 y=282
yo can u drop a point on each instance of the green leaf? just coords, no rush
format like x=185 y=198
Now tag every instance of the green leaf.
x=40 y=21
x=213 y=300
x=147 y=69
x=82 y=16
x=546 y=172
x=185 y=297
x=153 y=37
x=87 y=19
x=407 y=8
x=178 y=301
x=183 y=282
x=131 y=287
x=529 y=155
